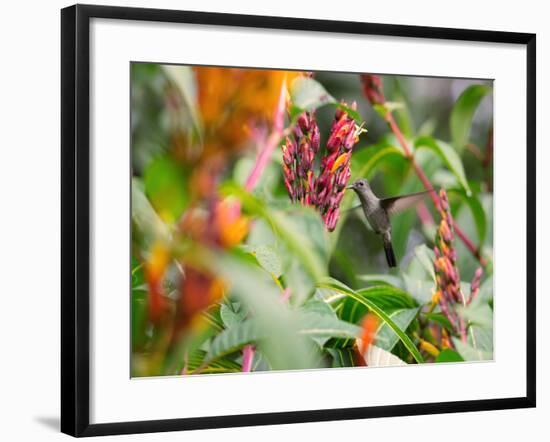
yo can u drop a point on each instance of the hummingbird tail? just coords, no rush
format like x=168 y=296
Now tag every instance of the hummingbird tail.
x=390 y=256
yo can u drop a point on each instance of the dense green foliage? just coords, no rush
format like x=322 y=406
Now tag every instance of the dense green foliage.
x=230 y=276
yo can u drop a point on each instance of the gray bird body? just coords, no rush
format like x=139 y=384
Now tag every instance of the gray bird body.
x=378 y=211
x=376 y=215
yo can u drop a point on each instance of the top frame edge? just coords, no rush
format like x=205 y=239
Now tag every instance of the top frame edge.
x=87 y=11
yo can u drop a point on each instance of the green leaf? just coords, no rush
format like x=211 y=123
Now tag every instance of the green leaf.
x=311 y=324
x=308 y=225
x=317 y=305
x=478 y=213
x=188 y=343
x=144 y=216
x=407 y=342
x=300 y=283
x=426 y=257
x=331 y=297
x=183 y=78
x=428 y=127
x=378 y=279
x=420 y=290
x=481 y=338
x=276 y=323
x=364 y=164
x=469 y=353
x=440 y=318
x=321 y=325
x=351 y=112
x=449 y=157
x=448 y=355
x=166 y=187
x=380 y=110
x=138 y=278
x=319 y=315
x=463 y=112
x=403 y=224
x=268 y=258
x=478 y=313
x=388 y=106
x=386 y=338
x=221 y=365
x=300 y=243
x=445 y=179
x=388 y=297
x=139 y=318
x=232 y=314
x=213 y=318
x=342 y=357
x=308 y=94
x=486 y=290
x=234 y=338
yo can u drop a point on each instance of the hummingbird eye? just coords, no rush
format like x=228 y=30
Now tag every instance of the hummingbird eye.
x=360 y=183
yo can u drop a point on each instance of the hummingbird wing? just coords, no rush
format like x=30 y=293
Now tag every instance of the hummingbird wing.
x=397 y=204
x=358 y=206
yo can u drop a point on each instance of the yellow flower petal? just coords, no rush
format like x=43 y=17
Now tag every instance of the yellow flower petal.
x=339 y=161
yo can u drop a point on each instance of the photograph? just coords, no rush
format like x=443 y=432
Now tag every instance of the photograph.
x=265 y=221
x=300 y=220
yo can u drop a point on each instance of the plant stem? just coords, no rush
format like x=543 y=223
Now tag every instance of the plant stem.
x=248 y=356
x=428 y=186
x=475 y=151
x=271 y=143
x=488 y=159
x=285 y=296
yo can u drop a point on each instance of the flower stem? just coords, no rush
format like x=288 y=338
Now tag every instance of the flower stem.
x=285 y=296
x=248 y=356
x=271 y=143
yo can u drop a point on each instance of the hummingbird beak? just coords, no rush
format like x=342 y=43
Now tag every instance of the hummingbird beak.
x=350 y=186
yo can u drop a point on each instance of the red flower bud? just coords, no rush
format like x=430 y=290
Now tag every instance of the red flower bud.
x=289 y=150
x=315 y=138
x=447 y=273
x=331 y=219
x=304 y=122
x=372 y=88
x=289 y=188
x=327 y=190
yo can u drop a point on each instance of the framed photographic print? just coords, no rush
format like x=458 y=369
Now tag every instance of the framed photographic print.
x=309 y=220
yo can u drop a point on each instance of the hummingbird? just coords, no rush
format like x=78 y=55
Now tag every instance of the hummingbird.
x=378 y=212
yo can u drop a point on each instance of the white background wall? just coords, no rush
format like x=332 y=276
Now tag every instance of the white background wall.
x=29 y=219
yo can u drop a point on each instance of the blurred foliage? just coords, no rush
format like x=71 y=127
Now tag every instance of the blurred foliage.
x=219 y=266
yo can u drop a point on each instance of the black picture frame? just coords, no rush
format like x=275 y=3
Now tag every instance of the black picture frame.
x=75 y=211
